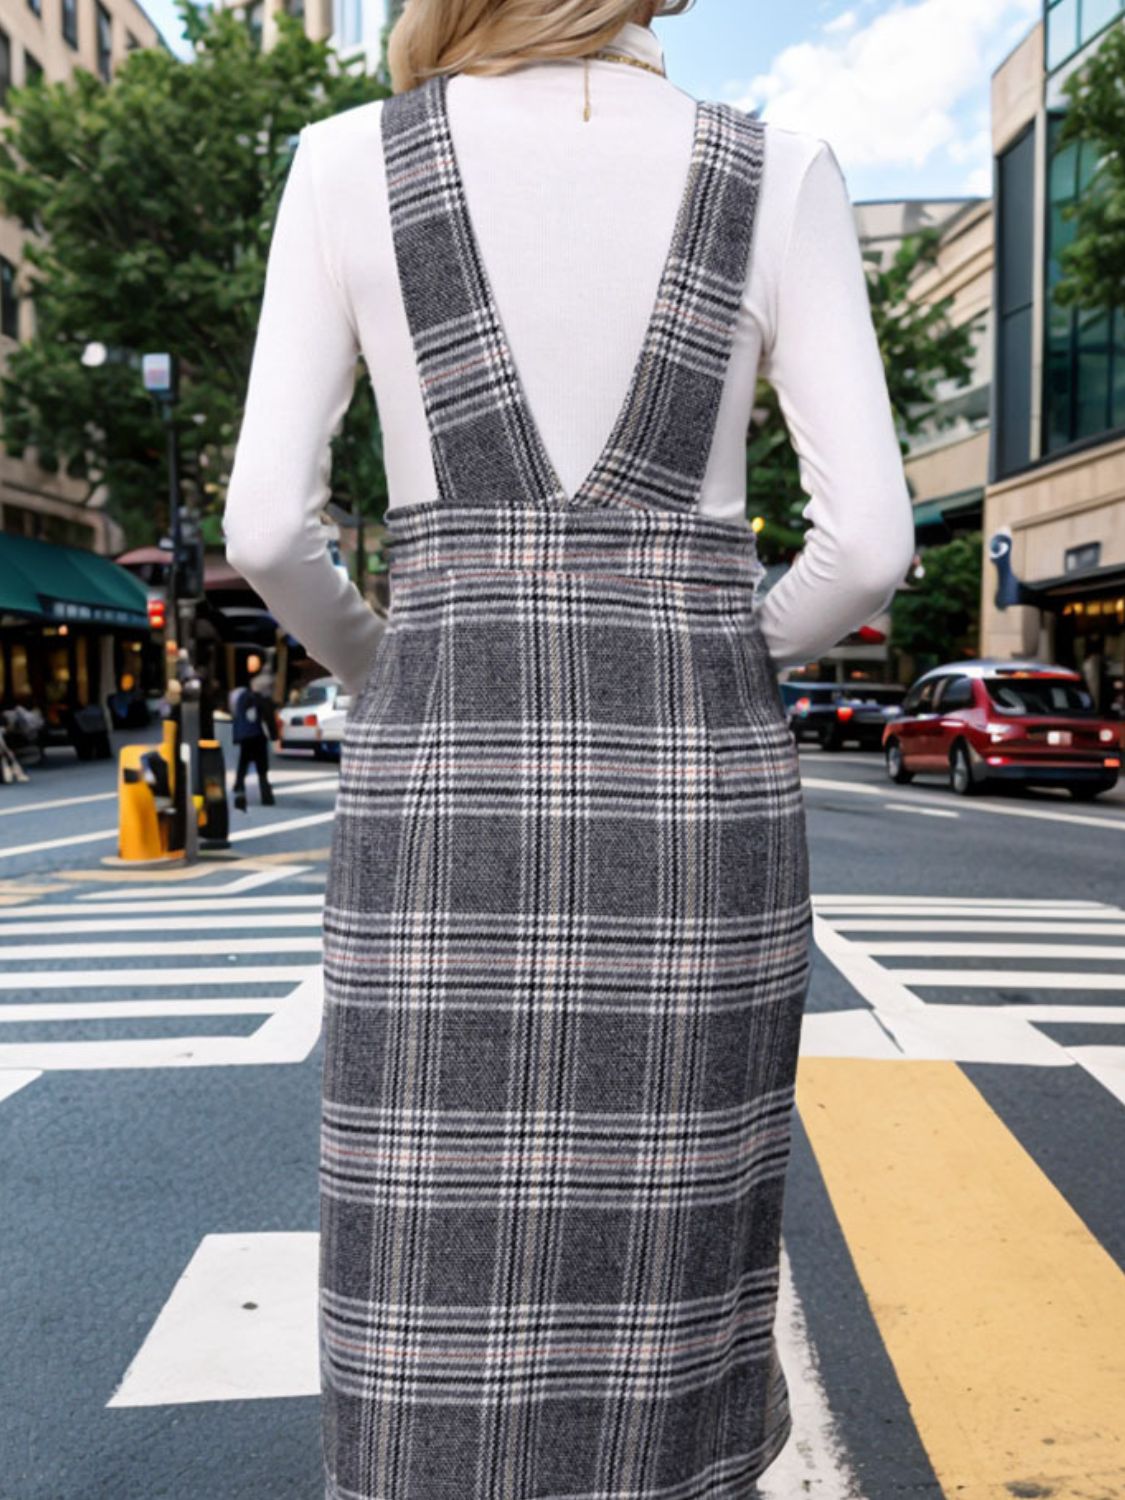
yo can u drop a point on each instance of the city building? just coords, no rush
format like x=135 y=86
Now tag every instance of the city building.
x=947 y=462
x=72 y=623
x=1056 y=477
x=355 y=28
x=50 y=39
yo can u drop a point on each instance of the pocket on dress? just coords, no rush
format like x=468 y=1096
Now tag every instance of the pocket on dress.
x=752 y=747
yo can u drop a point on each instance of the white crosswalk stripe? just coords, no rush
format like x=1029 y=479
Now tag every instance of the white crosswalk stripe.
x=1029 y=936
x=168 y=957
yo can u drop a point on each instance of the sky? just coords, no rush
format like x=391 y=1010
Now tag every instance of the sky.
x=899 y=88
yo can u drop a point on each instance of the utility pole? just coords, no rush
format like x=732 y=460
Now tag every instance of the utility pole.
x=185 y=588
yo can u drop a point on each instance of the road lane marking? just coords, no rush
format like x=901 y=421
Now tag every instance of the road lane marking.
x=14 y=1079
x=221 y=947
x=1106 y=1064
x=116 y=979
x=883 y=988
x=204 y=902
x=288 y=1035
x=121 y=1010
x=936 y=948
x=95 y=923
x=31 y=807
x=240 y=1324
x=244 y=834
x=1107 y=924
x=1115 y=824
x=239 y=836
x=1009 y=979
x=258 y=875
x=815 y=1459
x=68 y=841
x=1002 y=1314
x=892 y=901
x=924 y=812
x=939 y=1033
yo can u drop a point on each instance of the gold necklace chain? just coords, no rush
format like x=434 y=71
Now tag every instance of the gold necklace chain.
x=608 y=56
x=624 y=57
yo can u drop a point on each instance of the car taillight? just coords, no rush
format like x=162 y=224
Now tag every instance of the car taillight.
x=1107 y=736
x=310 y=721
x=1113 y=762
x=803 y=705
x=844 y=710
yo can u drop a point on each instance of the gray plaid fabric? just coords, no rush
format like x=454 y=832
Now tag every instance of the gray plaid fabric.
x=567 y=924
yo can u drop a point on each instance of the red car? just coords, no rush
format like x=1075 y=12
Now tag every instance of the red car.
x=984 y=721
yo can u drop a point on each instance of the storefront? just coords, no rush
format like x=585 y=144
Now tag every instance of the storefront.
x=1089 y=629
x=73 y=628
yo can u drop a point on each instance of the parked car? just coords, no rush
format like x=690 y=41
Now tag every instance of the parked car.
x=332 y=728
x=985 y=721
x=309 y=724
x=838 y=713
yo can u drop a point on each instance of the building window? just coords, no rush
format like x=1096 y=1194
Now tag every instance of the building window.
x=32 y=68
x=347 y=22
x=131 y=42
x=70 y=21
x=254 y=15
x=1084 y=357
x=5 y=65
x=1073 y=23
x=9 y=300
x=1015 y=209
x=105 y=42
x=35 y=6
x=295 y=8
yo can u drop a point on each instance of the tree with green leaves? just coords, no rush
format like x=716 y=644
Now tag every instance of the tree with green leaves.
x=920 y=348
x=151 y=202
x=939 y=619
x=1093 y=263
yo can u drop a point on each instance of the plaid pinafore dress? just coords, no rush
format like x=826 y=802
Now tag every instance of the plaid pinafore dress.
x=567 y=921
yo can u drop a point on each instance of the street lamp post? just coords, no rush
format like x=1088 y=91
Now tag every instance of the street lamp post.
x=185 y=585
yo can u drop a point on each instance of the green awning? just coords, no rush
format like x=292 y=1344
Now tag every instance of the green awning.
x=46 y=581
x=934 y=512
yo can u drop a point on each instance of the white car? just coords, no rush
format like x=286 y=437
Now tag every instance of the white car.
x=315 y=721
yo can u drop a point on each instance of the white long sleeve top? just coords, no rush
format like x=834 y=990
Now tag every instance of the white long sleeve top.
x=573 y=219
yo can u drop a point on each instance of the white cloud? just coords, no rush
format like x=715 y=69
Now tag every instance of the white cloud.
x=891 y=91
x=845 y=21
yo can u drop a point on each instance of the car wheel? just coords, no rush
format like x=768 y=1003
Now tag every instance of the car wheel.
x=896 y=770
x=961 y=771
x=1085 y=791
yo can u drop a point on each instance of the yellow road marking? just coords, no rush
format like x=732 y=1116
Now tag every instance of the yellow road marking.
x=1003 y=1316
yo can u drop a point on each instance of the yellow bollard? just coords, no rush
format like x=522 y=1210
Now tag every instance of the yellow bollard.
x=144 y=820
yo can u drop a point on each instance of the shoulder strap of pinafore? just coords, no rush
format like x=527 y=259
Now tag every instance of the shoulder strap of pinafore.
x=487 y=449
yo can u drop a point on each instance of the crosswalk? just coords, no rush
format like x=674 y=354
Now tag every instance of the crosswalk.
x=109 y=963
x=1010 y=968
x=924 y=1176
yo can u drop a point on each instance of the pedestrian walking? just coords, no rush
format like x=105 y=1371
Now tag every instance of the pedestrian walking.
x=567 y=922
x=253 y=725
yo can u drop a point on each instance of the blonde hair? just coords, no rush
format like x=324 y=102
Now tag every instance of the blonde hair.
x=495 y=36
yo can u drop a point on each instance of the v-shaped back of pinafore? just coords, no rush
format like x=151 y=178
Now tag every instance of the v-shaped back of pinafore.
x=643 y=489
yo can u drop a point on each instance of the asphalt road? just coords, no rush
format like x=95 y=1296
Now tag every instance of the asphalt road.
x=953 y=1314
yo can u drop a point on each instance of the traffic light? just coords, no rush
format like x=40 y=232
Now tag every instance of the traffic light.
x=189 y=560
x=156 y=611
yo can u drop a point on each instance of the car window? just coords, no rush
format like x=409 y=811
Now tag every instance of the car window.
x=919 y=699
x=874 y=692
x=314 y=693
x=957 y=692
x=1040 y=695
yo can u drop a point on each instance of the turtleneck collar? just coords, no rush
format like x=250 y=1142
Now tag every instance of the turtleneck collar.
x=638 y=41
